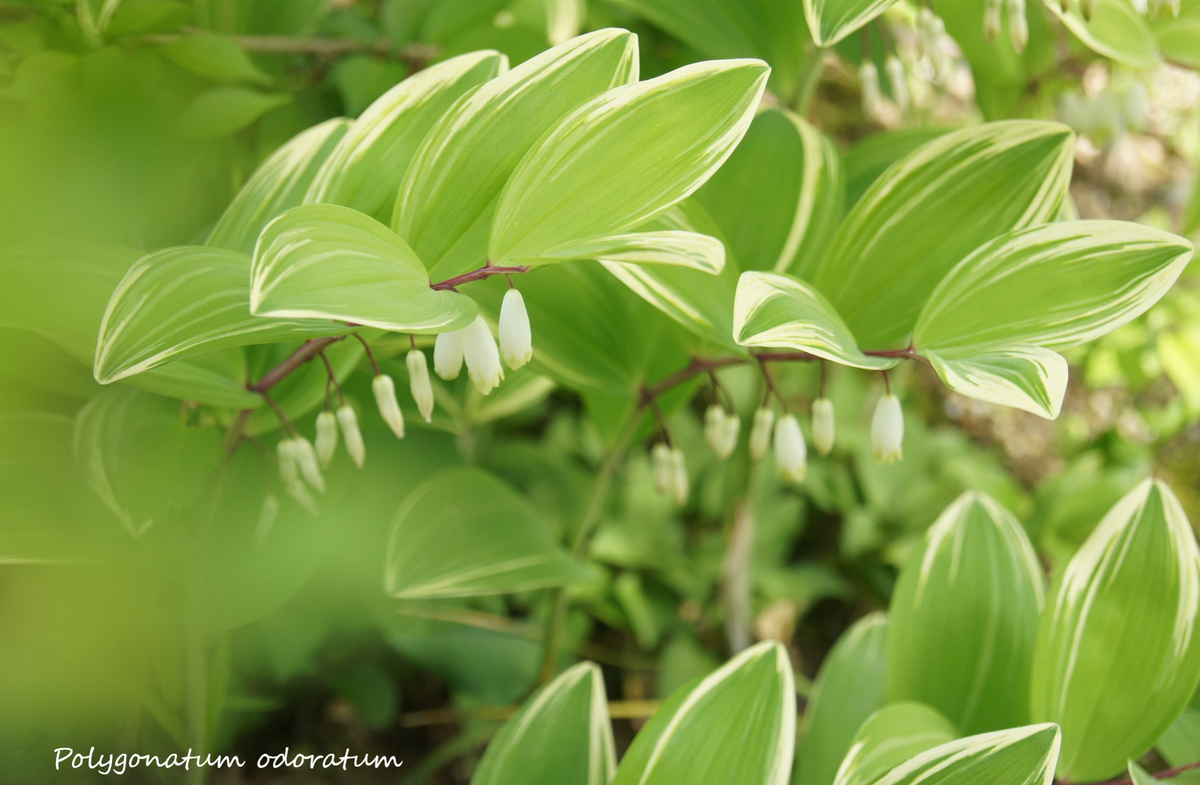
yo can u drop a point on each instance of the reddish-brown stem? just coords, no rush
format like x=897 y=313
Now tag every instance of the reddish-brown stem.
x=696 y=368
x=367 y=348
x=901 y=354
x=1160 y=775
x=332 y=380
x=310 y=349
x=477 y=275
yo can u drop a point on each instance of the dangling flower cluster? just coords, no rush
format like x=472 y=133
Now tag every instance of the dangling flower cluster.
x=887 y=430
x=299 y=469
x=721 y=430
x=1018 y=25
x=872 y=96
x=670 y=472
x=931 y=34
x=475 y=346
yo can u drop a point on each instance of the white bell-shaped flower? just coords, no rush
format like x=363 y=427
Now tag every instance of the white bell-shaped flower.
x=730 y=430
x=327 y=437
x=1018 y=25
x=791 y=454
x=760 y=434
x=660 y=465
x=899 y=82
x=872 y=97
x=306 y=460
x=991 y=19
x=679 y=477
x=1087 y=8
x=448 y=355
x=823 y=427
x=389 y=407
x=289 y=469
x=418 y=382
x=348 y=421
x=516 y=339
x=481 y=356
x=887 y=430
x=299 y=492
x=714 y=427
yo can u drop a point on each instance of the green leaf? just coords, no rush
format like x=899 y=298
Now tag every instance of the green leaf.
x=1140 y=776
x=1018 y=756
x=448 y=194
x=214 y=57
x=1180 y=744
x=930 y=210
x=689 y=738
x=850 y=687
x=500 y=543
x=701 y=302
x=625 y=158
x=326 y=261
x=182 y=301
x=227 y=110
x=670 y=247
x=1056 y=286
x=276 y=185
x=964 y=617
x=890 y=737
x=366 y=167
x=726 y=29
x=561 y=736
x=60 y=292
x=1179 y=41
x=871 y=157
x=1029 y=378
x=832 y=20
x=1118 y=654
x=779 y=197
x=780 y=312
x=141 y=458
x=1117 y=31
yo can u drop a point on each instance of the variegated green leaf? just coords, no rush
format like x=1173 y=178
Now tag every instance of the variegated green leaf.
x=625 y=157
x=890 y=737
x=850 y=687
x=1118 y=650
x=1057 y=285
x=930 y=210
x=1180 y=744
x=1116 y=30
x=780 y=196
x=776 y=311
x=332 y=262
x=366 y=167
x=702 y=301
x=1018 y=756
x=1029 y=378
x=561 y=736
x=670 y=247
x=964 y=618
x=832 y=20
x=501 y=545
x=689 y=738
x=182 y=301
x=448 y=195
x=276 y=185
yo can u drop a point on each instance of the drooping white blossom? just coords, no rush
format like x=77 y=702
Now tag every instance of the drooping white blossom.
x=730 y=430
x=887 y=430
x=1018 y=25
x=760 y=433
x=327 y=437
x=448 y=355
x=872 y=97
x=348 y=421
x=418 y=382
x=714 y=426
x=289 y=469
x=991 y=19
x=791 y=454
x=481 y=356
x=899 y=82
x=660 y=464
x=516 y=338
x=679 y=477
x=389 y=407
x=306 y=460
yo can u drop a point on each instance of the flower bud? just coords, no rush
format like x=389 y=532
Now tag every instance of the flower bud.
x=822 y=425
x=389 y=408
x=299 y=492
x=924 y=28
x=306 y=459
x=348 y=421
x=1087 y=7
x=418 y=382
x=1064 y=5
x=868 y=74
x=679 y=477
x=729 y=436
x=937 y=55
x=483 y=360
x=887 y=430
x=714 y=427
x=289 y=469
x=516 y=339
x=791 y=454
x=266 y=517
x=660 y=463
x=327 y=437
x=1018 y=25
x=448 y=355
x=760 y=433
x=899 y=82
x=991 y=20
